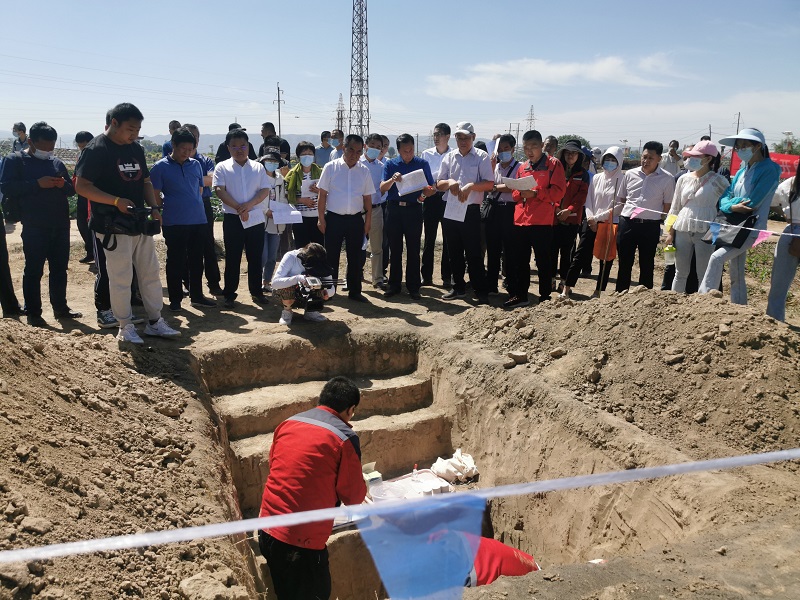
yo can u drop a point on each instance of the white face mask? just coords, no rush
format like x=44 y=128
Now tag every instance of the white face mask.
x=695 y=163
x=43 y=155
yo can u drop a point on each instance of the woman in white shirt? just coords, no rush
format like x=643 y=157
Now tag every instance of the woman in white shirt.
x=272 y=233
x=291 y=284
x=784 y=268
x=695 y=206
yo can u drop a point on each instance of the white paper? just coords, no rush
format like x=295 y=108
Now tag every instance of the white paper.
x=522 y=184
x=412 y=182
x=455 y=210
x=305 y=188
x=285 y=214
x=254 y=217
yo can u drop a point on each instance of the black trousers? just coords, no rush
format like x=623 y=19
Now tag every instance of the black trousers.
x=238 y=239
x=82 y=217
x=102 y=296
x=8 y=298
x=404 y=222
x=350 y=229
x=564 y=248
x=297 y=573
x=581 y=257
x=499 y=230
x=40 y=244
x=385 y=245
x=605 y=274
x=307 y=232
x=464 y=238
x=432 y=215
x=633 y=235
x=184 y=247
x=209 y=261
x=540 y=238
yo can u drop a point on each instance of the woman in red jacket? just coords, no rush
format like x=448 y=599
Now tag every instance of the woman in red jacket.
x=569 y=212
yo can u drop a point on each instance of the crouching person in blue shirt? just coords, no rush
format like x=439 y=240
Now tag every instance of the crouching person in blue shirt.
x=303 y=279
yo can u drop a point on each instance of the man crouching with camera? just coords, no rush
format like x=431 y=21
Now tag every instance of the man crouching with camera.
x=303 y=279
x=112 y=173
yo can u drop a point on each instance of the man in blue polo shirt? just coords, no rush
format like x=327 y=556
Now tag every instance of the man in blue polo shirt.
x=405 y=216
x=210 y=264
x=180 y=179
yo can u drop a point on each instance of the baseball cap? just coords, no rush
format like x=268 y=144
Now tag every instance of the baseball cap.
x=701 y=148
x=464 y=127
x=754 y=135
x=596 y=152
x=233 y=126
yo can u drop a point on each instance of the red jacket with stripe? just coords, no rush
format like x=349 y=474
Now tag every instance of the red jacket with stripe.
x=314 y=462
x=550 y=183
x=574 y=197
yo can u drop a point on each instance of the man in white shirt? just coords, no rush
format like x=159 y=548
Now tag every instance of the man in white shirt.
x=465 y=174
x=375 y=165
x=242 y=185
x=433 y=209
x=345 y=211
x=672 y=162
x=647 y=193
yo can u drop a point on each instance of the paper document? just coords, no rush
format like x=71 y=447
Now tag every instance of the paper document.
x=254 y=217
x=284 y=214
x=455 y=210
x=522 y=184
x=412 y=182
x=305 y=191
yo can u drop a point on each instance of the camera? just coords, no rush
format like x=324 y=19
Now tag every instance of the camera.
x=144 y=224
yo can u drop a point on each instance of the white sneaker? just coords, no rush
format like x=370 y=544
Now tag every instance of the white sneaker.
x=161 y=329
x=129 y=334
x=286 y=317
x=312 y=315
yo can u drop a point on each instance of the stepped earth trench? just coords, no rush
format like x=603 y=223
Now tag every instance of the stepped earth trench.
x=96 y=441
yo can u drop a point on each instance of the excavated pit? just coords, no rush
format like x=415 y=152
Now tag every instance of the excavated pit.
x=425 y=396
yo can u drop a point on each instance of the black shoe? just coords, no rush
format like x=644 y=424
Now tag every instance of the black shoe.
x=86 y=260
x=543 y=299
x=390 y=292
x=261 y=299
x=516 y=302
x=36 y=321
x=175 y=306
x=427 y=282
x=229 y=302
x=483 y=299
x=415 y=295
x=215 y=291
x=14 y=313
x=357 y=297
x=203 y=302
x=494 y=292
x=453 y=294
x=93 y=269
x=67 y=313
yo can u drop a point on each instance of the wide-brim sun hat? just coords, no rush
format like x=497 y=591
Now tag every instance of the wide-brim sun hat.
x=753 y=135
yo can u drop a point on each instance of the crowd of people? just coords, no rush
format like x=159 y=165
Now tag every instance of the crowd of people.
x=291 y=216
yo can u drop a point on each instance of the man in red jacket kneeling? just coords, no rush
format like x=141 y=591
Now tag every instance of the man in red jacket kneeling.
x=314 y=462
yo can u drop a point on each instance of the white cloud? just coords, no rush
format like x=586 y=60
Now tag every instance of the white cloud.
x=520 y=77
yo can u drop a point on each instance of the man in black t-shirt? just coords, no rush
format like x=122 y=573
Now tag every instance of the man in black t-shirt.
x=224 y=154
x=112 y=173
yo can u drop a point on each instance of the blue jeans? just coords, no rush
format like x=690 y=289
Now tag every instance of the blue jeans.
x=713 y=276
x=783 y=271
x=270 y=255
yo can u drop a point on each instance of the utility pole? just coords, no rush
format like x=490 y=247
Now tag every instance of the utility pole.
x=340 y=114
x=709 y=130
x=278 y=102
x=417 y=145
x=359 y=72
x=738 y=119
x=531 y=121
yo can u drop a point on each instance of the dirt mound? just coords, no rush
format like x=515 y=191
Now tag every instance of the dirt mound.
x=91 y=445
x=711 y=377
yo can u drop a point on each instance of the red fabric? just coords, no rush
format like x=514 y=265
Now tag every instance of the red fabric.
x=787 y=163
x=551 y=185
x=310 y=467
x=494 y=559
x=575 y=197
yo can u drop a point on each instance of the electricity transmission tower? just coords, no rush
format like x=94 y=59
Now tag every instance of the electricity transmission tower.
x=531 y=120
x=359 y=72
x=340 y=114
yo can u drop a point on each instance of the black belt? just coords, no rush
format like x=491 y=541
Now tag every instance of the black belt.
x=640 y=220
x=412 y=203
x=341 y=215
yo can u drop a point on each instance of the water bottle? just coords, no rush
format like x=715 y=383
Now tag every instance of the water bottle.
x=669 y=255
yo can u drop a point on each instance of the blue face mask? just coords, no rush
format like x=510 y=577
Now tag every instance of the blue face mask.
x=335 y=142
x=745 y=154
x=373 y=153
x=695 y=163
x=609 y=166
x=504 y=156
x=306 y=160
x=271 y=166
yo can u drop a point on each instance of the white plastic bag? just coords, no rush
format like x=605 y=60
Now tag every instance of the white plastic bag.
x=461 y=467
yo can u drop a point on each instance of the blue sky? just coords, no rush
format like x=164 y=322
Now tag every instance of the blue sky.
x=641 y=71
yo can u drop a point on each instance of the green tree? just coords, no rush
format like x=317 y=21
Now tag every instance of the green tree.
x=563 y=139
x=788 y=145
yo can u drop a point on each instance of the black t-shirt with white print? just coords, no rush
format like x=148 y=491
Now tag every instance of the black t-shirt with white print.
x=116 y=169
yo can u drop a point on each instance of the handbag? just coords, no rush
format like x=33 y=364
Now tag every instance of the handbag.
x=12 y=205
x=734 y=229
x=490 y=199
